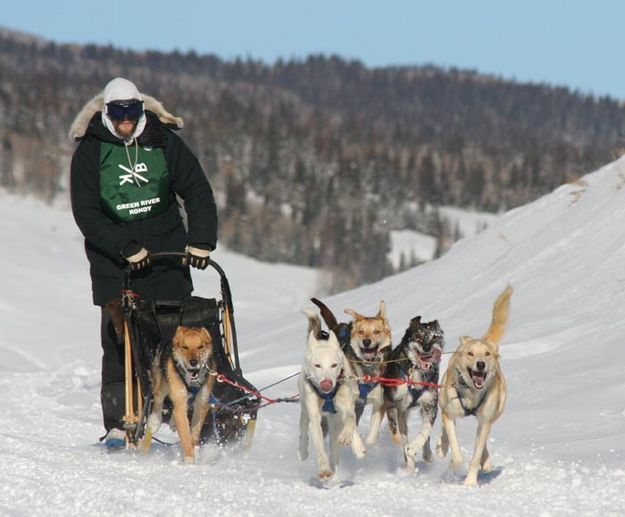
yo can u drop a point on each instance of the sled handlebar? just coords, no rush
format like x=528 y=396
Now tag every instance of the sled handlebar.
x=172 y=255
x=226 y=294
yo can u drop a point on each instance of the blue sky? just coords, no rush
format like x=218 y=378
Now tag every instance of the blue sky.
x=575 y=43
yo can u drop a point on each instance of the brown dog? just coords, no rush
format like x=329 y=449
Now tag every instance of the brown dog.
x=184 y=368
x=474 y=385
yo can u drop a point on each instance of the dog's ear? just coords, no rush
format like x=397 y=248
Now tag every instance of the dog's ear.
x=206 y=337
x=381 y=311
x=179 y=335
x=354 y=314
x=312 y=340
x=416 y=321
x=494 y=346
x=333 y=340
x=464 y=340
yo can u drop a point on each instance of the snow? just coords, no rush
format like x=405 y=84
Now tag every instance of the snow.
x=409 y=243
x=423 y=247
x=558 y=449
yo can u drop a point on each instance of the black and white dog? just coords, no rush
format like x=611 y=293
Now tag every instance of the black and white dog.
x=415 y=360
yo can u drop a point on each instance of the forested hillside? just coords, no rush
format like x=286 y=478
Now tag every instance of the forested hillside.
x=316 y=161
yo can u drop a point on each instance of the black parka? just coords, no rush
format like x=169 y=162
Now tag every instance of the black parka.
x=105 y=238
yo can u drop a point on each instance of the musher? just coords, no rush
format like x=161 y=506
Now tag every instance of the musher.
x=125 y=174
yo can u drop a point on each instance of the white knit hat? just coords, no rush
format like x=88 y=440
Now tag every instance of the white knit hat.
x=120 y=89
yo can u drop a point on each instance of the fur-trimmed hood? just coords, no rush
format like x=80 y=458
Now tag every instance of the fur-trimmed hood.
x=81 y=122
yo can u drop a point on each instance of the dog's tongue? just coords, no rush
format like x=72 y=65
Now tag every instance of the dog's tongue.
x=326 y=385
x=427 y=361
x=368 y=356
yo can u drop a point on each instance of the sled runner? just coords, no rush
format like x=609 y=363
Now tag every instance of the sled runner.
x=150 y=324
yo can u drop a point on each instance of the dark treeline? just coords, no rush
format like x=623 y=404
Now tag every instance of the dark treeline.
x=316 y=161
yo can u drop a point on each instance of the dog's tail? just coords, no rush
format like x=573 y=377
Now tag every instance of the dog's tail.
x=314 y=323
x=500 y=317
x=327 y=315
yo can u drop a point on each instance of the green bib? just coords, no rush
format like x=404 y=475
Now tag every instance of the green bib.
x=134 y=182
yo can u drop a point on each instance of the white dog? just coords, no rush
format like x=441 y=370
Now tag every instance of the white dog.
x=328 y=395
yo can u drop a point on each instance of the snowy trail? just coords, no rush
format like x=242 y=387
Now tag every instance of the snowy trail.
x=558 y=448
x=53 y=465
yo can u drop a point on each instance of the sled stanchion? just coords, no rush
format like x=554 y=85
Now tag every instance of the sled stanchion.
x=130 y=418
x=249 y=432
x=146 y=441
x=230 y=333
x=228 y=336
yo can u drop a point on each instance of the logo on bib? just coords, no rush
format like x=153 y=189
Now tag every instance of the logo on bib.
x=133 y=176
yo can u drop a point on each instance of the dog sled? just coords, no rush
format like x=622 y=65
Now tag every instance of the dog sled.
x=148 y=324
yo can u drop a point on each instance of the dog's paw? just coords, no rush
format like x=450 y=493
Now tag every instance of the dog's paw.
x=154 y=423
x=470 y=480
x=345 y=438
x=359 y=449
x=188 y=460
x=397 y=438
x=456 y=462
x=325 y=474
x=441 y=451
x=409 y=455
x=370 y=442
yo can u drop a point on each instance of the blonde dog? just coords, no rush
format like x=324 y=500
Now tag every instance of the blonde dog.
x=184 y=368
x=474 y=385
x=327 y=397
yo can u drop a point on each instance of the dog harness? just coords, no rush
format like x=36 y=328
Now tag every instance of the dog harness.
x=467 y=411
x=328 y=398
x=364 y=388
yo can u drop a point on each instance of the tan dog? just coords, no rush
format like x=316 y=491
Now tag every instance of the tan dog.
x=474 y=385
x=183 y=368
x=367 y=350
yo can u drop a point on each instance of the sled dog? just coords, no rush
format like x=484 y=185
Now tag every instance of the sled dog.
x=416 y=358
x=474 y=385
x=184 y=367
x=366 y=342
x=327 y=397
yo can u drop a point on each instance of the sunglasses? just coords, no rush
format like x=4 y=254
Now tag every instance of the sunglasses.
x=120 y=110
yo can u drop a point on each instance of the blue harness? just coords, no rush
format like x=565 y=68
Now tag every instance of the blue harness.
x=364 y=388
x=328 y=398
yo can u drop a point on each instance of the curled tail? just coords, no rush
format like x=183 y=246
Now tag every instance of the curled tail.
x=500 y=317
x=314 y=324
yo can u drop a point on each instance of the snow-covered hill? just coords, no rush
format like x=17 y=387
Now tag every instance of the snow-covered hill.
x=558 y=449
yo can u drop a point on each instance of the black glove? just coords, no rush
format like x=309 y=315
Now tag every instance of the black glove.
x=197 y=256
x=137 y=256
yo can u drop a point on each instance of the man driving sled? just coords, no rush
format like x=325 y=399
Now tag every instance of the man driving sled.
x=125 y=174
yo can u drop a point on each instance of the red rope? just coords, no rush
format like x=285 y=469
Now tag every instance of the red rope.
x=221 y=378
x=388 y=381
